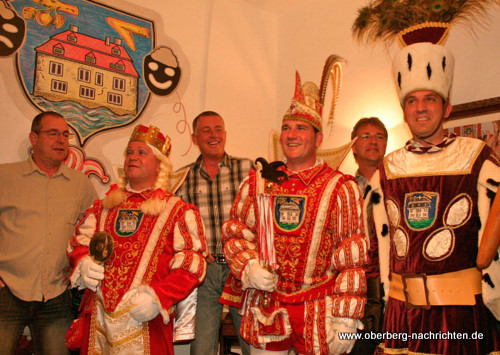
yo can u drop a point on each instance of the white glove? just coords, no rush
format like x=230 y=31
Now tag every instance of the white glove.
x=91 y=273
x=343 y=325
x=255 y=276
x=145 y=307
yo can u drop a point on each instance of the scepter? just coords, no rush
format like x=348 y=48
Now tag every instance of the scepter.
x=101 y=247
x=267 y=175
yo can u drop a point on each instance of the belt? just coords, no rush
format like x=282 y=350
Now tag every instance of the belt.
x=307 y=294
x=220 y=258
x=423 y=291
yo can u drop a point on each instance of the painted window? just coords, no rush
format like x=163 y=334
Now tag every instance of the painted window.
x=56 y=68
x=118 y=84
x=58 y=49
x=115 y=99
x=99 y=79
x=84 y=75
x=59 y=86
x=87 y=93
x=90 y=57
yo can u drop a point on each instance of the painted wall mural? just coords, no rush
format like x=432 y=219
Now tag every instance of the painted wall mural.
x=84 y=64
x=94 y=64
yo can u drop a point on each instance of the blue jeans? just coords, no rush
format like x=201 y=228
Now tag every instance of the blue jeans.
x=209 y=312
x=48 y=322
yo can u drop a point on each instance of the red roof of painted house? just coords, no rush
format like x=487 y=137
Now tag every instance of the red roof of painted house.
x=84 y=45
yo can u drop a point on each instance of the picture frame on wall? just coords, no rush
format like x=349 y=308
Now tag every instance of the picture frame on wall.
x=477 y=119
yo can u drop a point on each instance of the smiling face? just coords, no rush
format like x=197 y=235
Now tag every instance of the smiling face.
x=141 y=165
x=12 y=29
x=210 y=137
x=424 y=112
x=369 y=149
x=50 y=144
x=299 y=142
x=161 y=72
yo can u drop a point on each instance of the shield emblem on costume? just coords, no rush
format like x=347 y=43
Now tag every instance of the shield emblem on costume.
x=128 y=222
x=421 y=209
x=84 y=60
x=289 y=212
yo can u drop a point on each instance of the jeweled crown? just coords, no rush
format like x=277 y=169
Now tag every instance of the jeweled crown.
x=153 y=136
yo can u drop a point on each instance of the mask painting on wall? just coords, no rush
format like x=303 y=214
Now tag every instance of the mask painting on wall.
x=12 y=29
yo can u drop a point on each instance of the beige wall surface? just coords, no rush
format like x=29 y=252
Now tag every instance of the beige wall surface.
x=239 y=58
x=307 y=34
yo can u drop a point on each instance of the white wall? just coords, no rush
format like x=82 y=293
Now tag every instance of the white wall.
x=240 y=60
x=307 y=34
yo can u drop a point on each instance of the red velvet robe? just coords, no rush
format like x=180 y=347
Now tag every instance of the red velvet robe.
x=433 y=205
x=163 y=253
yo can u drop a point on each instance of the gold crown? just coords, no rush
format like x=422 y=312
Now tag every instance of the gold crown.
x=153 y=136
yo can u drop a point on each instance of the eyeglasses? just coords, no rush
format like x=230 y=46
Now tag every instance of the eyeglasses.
x=368 y=136
x=54 y=133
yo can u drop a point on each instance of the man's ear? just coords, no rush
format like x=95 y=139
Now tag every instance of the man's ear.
x=402 y=106
x=447 y=109
x=33 y=138
x=193 y=138
x=319 y=139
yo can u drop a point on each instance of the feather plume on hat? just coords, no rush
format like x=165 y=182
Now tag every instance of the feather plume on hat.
x=308 y=100
x=412 y=21
x=332 y=70
x=311 y=110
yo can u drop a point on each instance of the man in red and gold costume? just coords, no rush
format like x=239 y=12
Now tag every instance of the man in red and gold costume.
x=431 y=199
x=158 y=257
x=299 y=247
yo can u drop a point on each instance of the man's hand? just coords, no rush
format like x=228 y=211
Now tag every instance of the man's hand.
x=91 y=273
x=255 y=276
x=145 y=307
x=342 y=325
x=210 y=259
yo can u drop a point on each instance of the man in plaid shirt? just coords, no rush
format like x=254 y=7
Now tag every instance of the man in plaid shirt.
x=211 y=184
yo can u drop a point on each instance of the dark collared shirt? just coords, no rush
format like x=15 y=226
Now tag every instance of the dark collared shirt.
x=362 y=182
x=214 y=198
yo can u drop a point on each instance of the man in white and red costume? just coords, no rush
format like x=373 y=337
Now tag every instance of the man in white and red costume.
x=158 y=257
x=315 y=285
x=431 y=199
